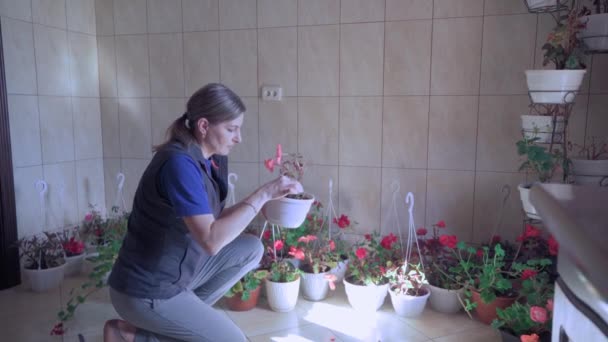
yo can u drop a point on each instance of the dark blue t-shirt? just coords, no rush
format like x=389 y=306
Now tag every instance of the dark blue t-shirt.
x=180 y=182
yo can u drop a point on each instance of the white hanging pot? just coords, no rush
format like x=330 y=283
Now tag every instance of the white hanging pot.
x=554 y=86
x=288 y=212
x=524 y=194
x=365 y=297
x=541 y=127
x=340 y=270
x=282 y=297
x=409 y=306
x=74 y=264
x=314 y=286
x=44 y=280
x=595 y=33
x=538 y=4
x=590 y=172
x=444 y=300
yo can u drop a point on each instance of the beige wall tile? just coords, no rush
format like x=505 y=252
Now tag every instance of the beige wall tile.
x=133 y=72
x=456 y=42
x=499 y=130
x=87 y=128
x=21 y=10
x=360 y=131
x=52 y=61
x=238 y=14
x=130 y=16
x=545 y=24
x=597 y=120
x=407 y=180
x=318 y=60
x=360 y=196
x=163 y=112
x=316 y=181
x=166 y=65
x=599 y=67
x=24 y=123
x=133 y=169
x=200 y=15
x=90 y=185
x=279 y=125
x=110 y=127
x=453 y=132
x=450 y=198
x=248 y=149
x=500 y=7
x=489 y=198
x=49 y=12
x=135 y=128
x=407 y=57
x=62 y=204
x=27 y=203
x=276 y=13
x=354 y=11
x=57 y=134
x=106 y=57
x=318 y=12
x=248 y=179
x=278 y=58
x=111 y=167
x=239 y=61
x=511 y=36
x=457 y=8
x=104 y=17
x=201 y=59
x=408 y=9
x=81 y=16
x=84 y=71
x=19 y=61
x=318 y=128
x=405 y=132
x=361 y=59
x=577 y=125
x=164 y=16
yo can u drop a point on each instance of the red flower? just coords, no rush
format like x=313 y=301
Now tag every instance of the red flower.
x=332 y=245
x=266 y=235
x=368 y=237
x=440 y=224
x=387 y=241
x=278 y=245
x=549 y=305
x=528 y=273
x=382 y=270
x=531 y=232
x=553 y=245
x=58 y=329
x=73 y=247
x=269 y=164
x=307 y=238
x=529 y=338
x=342 y=222
x=496 y=238
x=297 y=253
x=421 y=231
x=88 y=217
x=480 y=253
x=361 y=253
x=538 y=314
x=448 y=240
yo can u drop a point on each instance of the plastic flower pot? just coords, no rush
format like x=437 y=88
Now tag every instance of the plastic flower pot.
x=74 y=264
x=287 y=212
x=554 y=86
x=235 y=303
x=314 y=286
x=444 y=300
x=365 y=297
x=282 y=297
x=486 y=312
x=524 y=195
x=44 y=280
x=541 y=127
x=409 y=306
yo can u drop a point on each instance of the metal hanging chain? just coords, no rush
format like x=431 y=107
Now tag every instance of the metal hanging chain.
x=506 y=190
x=330 y=211
x=411 y=233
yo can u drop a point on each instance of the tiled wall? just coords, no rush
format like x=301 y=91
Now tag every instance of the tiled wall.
x=50 y=56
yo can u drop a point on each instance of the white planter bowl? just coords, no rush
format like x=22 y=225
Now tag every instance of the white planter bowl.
x=595 y=34
x=524 y=194
x=367 y=298
x=44 y=280
x=445 y=301
x=282 y=297
x=74 y=264
x=537 y=4
x=541 y=127
x=409 y=306
x=590 y=172
x=314 y=286
x=554 y=86
x=287 y=212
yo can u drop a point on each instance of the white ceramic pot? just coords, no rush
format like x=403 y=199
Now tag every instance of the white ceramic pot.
x=287 y=212
x=595 y=34
x=365 y=297
x=445 y=301
x=340 y=270
x=314 y=286
x=537 y=4
x=541 y=127
x=409 y=306
x=524 y=194
x=282 y=297
x=554 y=86
x=44 y=280
x=74 y=264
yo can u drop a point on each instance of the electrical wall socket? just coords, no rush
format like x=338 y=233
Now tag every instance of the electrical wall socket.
x=272 y=93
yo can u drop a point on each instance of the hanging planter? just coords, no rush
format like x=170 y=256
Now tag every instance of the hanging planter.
x=524 y=195
x=314 y=286
x=444 y=300
x=554 y=86
x=365 y=297
x=406 y=305
x=42 y=280
x=541 y=127
x=595 y=33
x=590 y=172
x=289 y=211
x=74 y=264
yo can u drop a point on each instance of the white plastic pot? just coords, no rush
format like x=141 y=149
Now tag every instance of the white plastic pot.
x=365 y=297
x=536 y=4
x=44 y=280
x=444 y=300
x=282 y=297
x=554 y=86
x=590 y=172
x=524 y=194
x=595 y=34
x=541 y=127
x=287 y=212
x=409 y=306
x=74 y=264
x=314 y=286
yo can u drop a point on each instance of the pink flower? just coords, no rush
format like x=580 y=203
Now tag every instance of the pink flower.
x=361 y=253
x=529 y=338
x=307 y=238
x=58 y=329
x=549 y=305
x=368 y=237
x=279 y=153
x=421 y=231
x=88 y=217
x=342 y=222
x=278 y=245
x=528 y=273
x=267 y=235
x=331 y=278
x=332 y=245
x=538 y=314
x=448 y=240
x=440 y=224
x=269 y=164
x=297 y=253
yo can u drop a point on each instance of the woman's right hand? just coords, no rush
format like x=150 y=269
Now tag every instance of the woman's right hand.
x=281 y=186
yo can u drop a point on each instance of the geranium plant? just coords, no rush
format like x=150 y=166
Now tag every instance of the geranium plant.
x=93 y=227
x=438 y=259
x=538 y=159
x=70 y=240
x=563 y=47
x=251 y=281
x=368 y=259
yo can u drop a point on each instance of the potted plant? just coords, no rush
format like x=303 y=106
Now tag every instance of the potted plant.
x=244 y=295
x=93 y=228
x=407 y=289
x=341 y=251
x=289 y=211
x=591 y=164
x=42 y=260
x=542 y=6
x=547 y=124
x=595 y=32
x=73 y=249
x=565 y=50
x=282 y=285
x=444 y=283
x=318 y=258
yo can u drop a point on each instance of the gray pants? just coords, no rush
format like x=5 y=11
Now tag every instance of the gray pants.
x=189 y=315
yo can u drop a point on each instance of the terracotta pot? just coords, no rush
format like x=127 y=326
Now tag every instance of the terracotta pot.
x=235 y=303
x=486 y=312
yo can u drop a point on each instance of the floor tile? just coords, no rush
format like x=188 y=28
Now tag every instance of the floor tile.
x=474 y=335
x=305 y=333
x=436 y=324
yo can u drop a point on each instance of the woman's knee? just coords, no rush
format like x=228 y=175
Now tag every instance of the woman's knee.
x=252 y=245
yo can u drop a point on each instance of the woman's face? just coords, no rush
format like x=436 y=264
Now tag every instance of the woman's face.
x=220 y=138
